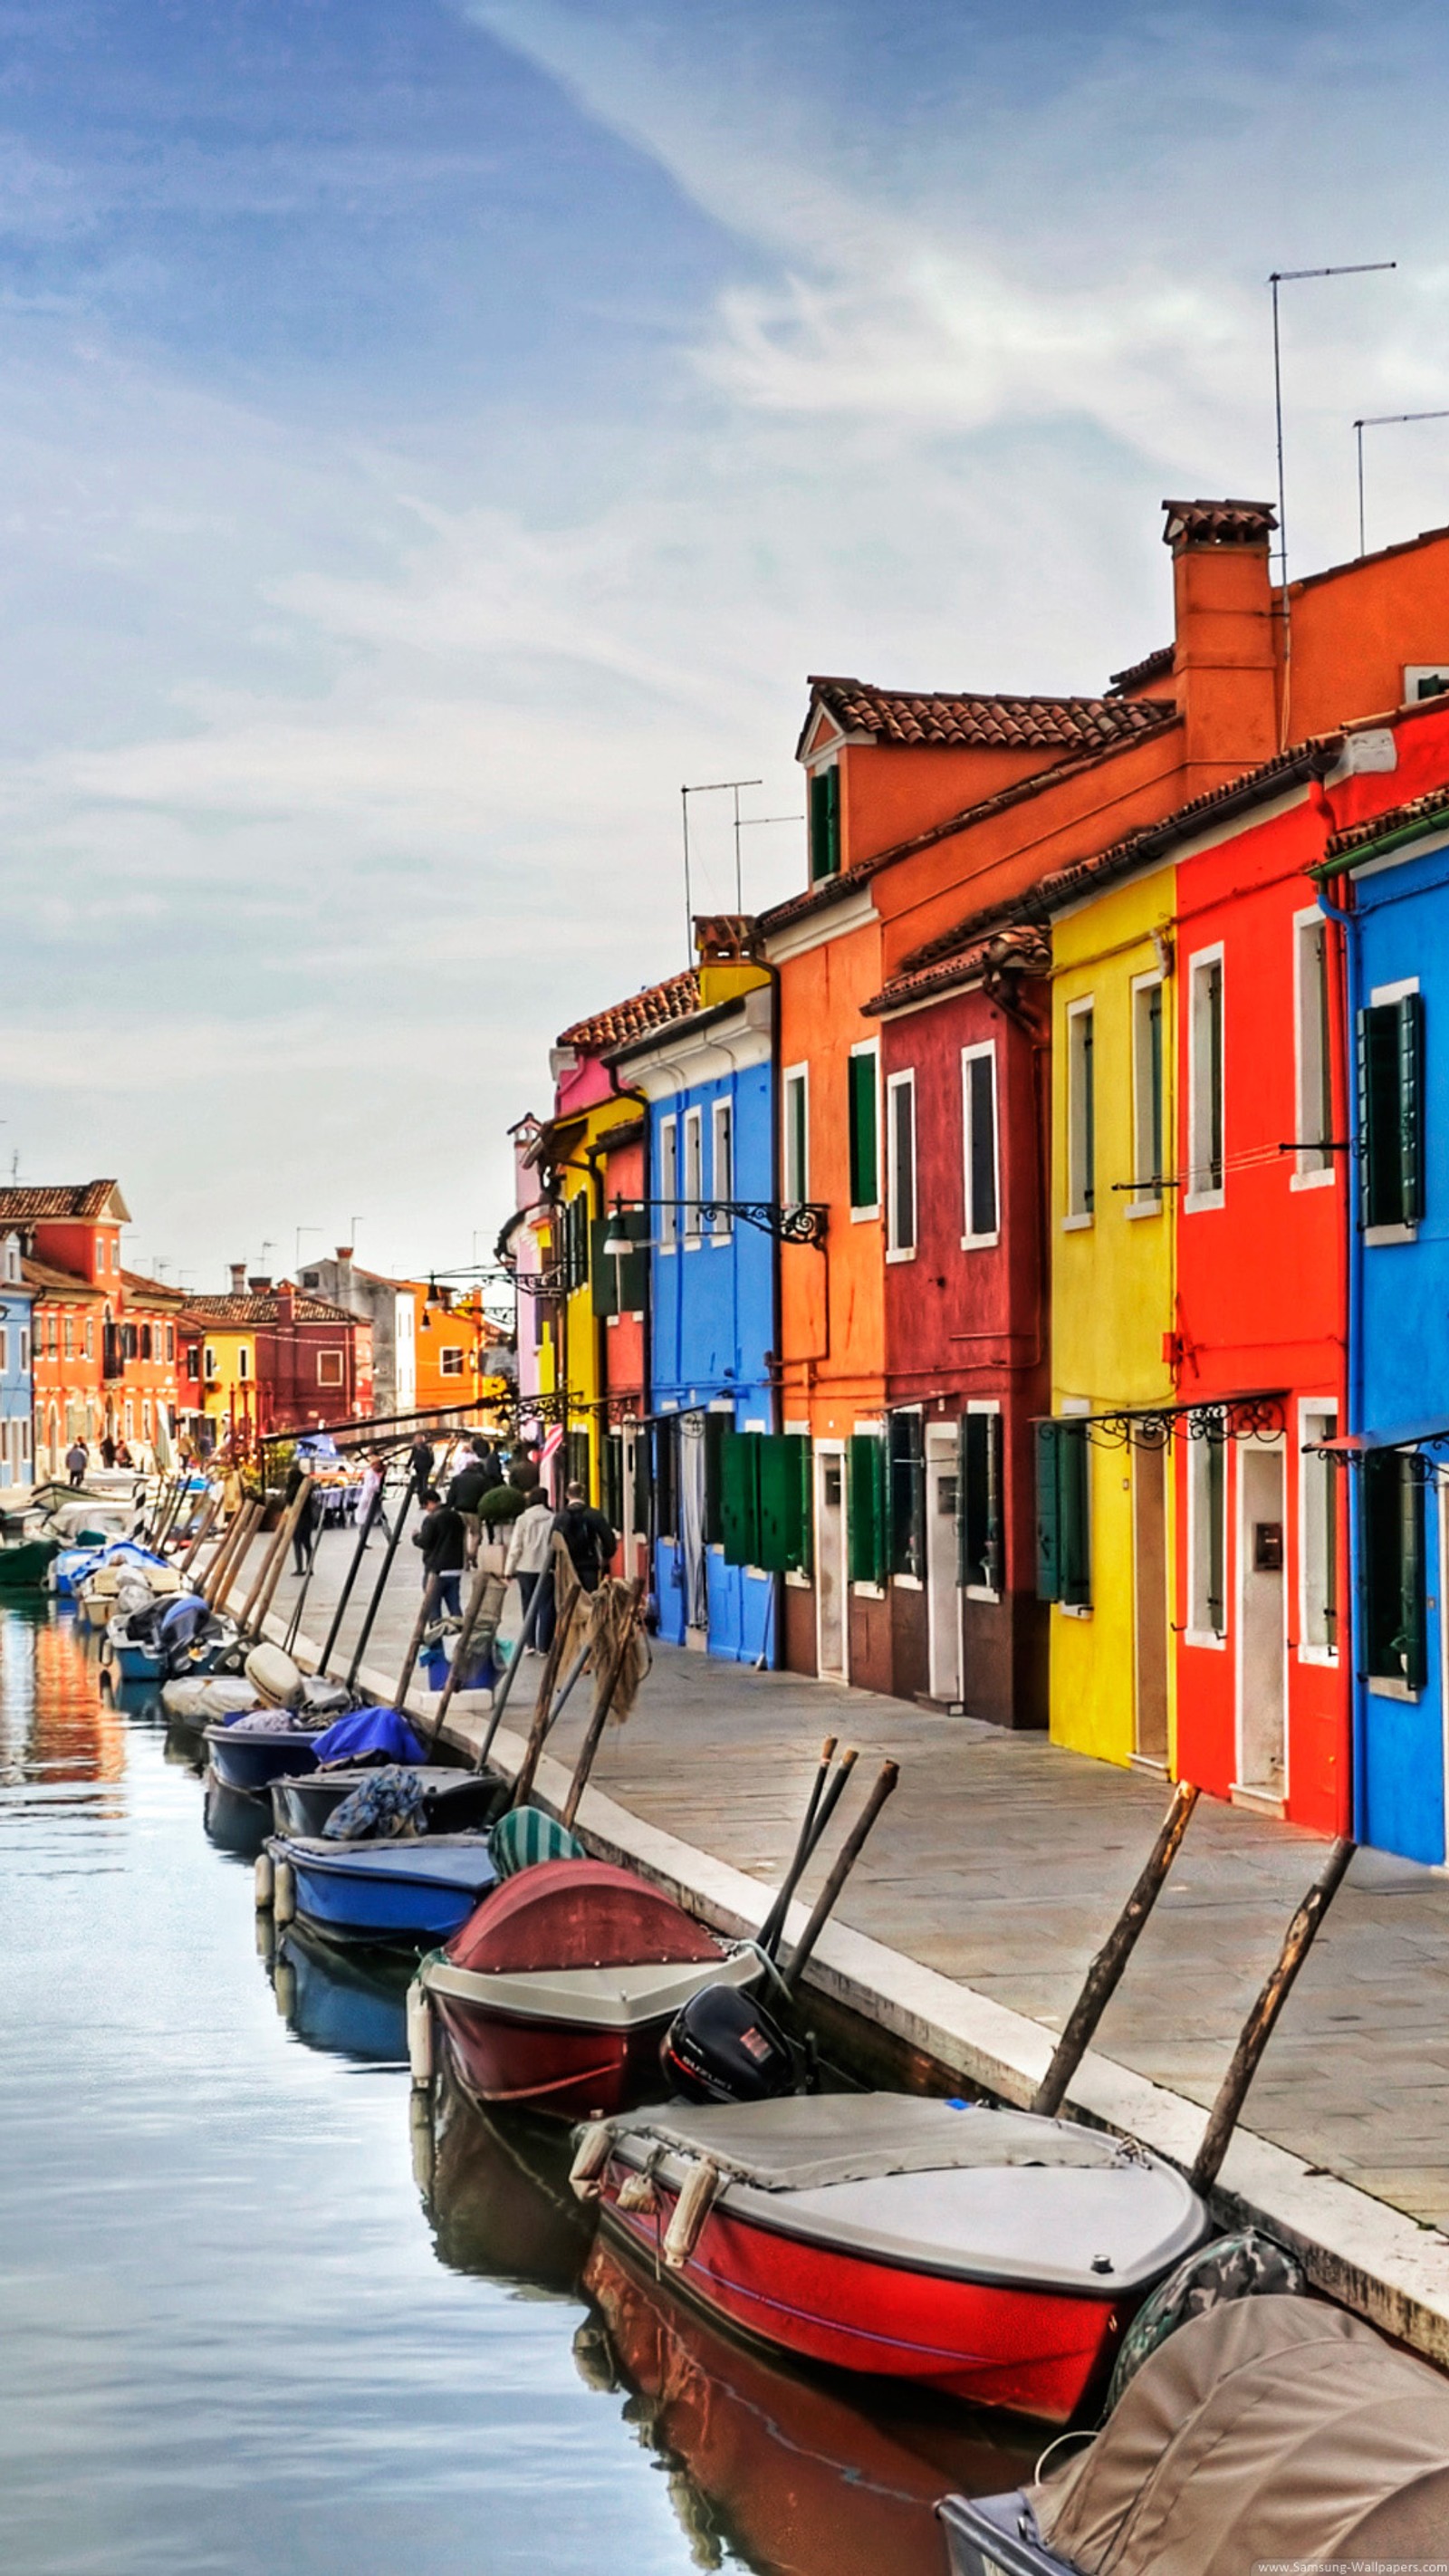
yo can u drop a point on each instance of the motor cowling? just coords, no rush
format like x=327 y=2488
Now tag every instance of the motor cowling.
x=722 y=2046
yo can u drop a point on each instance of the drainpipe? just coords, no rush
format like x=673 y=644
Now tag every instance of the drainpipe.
x=1347 y=923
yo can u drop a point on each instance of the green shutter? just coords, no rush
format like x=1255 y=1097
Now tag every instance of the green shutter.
x=1048 y=1515
x=783 y=1491
x=621 y=1286
x=1410 y=1104
x=739 y=1509
x=867 y=1508
x=978 y=1508
x=864 y=1145
x=1391 y=1111
x=1393 y=1569
x=1063 y=1514
x=602 y=1266
x=825 y=822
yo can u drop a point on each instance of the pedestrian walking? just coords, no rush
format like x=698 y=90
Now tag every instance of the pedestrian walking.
x=587 y=1536
x=421 y=1463
x=465 y=1494
x=304 y=1535
x=530 y=1546
x=369 y=1491
x=108 y=1451
x=490 y=1462
x=443 y=1539
x=77 y=1459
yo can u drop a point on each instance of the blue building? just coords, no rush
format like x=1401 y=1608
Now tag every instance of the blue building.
x=1397 y=944
x=17 y=1382
x=708 y=1084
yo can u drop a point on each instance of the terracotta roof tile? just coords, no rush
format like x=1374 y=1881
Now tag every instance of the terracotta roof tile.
x=1218 y=523
x=263 y=1310
x=1153 y=666
x=1021 y=949
x=1429 y=809
x=654 y=1008
x=976 y=721
x=58 y=1283
x=136 y=1284
x=82 y=1201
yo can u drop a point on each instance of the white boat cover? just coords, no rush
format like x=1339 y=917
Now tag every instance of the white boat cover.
x=1267 y=2430
x=989 y=2195
x=274 y=1676
x=618 y=1998
x=213 y=1695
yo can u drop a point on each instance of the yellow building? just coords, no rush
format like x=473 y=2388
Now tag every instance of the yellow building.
x=228 y=1380
x=1109 y=1518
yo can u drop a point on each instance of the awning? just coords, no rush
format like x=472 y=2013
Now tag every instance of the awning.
x=1257 y=1413
x=1411 y=1439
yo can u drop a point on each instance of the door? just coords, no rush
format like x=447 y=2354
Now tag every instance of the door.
x=1149 y=1558
x=831 y=1584
x=691 y=1530
x=1262 y=1647
x=943 y=1592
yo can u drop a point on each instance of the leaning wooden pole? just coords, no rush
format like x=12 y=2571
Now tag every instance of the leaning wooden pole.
x=426 y=1607
x=1258 y=2028
x=561 y=1572
x=1105 y=1973
x=235 y=1540
x=484 y=1576
x=209 y=1510
x=613 y=1675
x=845 y=1860
x=291 y=1521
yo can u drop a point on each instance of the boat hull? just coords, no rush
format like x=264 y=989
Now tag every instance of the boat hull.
x=570 y=2074
x=25 y=1566
x=458 y=1804
x=1034 y=2351
x=252 y=1762
x=385 y=1903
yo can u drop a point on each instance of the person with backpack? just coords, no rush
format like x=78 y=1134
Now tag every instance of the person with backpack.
x=587 y=1536
x=443 y=1539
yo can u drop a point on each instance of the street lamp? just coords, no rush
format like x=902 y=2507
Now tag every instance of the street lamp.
x=793 y=1221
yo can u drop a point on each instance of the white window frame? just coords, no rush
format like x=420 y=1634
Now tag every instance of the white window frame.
x=128 y=1421
x=1317 y=1420
x=330 y=1359
x=984 y=1591
x=243 y=1362
x=12 y=1257
x=450 y=1351
x=4 y=1350
x=668 y=1183
x=980 y=1238
x=871 y=1215
x=795 y=1078
x=1146 y=1200
x=1194 y=1634
x=146 y=1417
x=692 y=1177
x=24 y=1350
x=1313 y=1169
x=722 y=1162
x=897 y=1083
x=1200 y=1194
x=208 y=1365
x=1079 y=1216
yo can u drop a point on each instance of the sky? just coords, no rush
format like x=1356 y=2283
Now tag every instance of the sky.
x=434 y=431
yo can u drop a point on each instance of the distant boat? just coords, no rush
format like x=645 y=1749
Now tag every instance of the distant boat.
x=254 y=1751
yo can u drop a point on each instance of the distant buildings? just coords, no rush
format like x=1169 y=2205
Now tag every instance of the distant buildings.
x=271 y=1358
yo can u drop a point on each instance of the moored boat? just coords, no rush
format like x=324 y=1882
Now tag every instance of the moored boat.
x=260 y=1746
x=991 y=2255
x=455 y=1801
x=407 y=1894
x=558 y=1995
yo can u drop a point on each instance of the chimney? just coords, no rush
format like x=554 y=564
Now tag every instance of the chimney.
x=260 y=1287
x=238 y=1279
x=1225 y=662
x=344 y=1276
x=286 y=1301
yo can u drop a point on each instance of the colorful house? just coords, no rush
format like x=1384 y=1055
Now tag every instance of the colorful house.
x=17 y=1382
x=705 y=1275
x=274 y=1360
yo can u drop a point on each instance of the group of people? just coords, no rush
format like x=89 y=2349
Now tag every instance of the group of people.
x=114 y=1453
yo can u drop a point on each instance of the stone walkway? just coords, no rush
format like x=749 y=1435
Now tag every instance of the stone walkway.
x=1001 y=1861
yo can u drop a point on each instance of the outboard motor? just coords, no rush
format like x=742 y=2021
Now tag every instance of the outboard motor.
x=182 y=1625
x=722 y=2046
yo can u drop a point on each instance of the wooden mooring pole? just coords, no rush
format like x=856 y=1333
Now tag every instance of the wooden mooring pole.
x=623 y=1649
x=1258 y=2028
x=1105 y=1973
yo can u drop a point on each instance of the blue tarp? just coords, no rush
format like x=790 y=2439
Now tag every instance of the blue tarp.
x=74 y=1563
x=367 y=1733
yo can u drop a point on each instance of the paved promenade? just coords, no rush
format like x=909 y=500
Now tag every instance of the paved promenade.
x=1001 y=1861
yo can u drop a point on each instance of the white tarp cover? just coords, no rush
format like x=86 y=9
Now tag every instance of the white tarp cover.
x=804 y=2142
x=1269 y=2429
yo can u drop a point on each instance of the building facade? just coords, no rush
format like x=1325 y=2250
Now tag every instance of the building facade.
x=17 y=1381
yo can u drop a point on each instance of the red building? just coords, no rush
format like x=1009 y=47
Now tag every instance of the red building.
x=272 y=1360
x=105 y=1355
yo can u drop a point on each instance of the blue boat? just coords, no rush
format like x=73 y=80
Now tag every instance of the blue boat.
x=248 y=1756
x=411 y=1894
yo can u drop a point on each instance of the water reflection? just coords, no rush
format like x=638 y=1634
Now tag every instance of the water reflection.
x=344 y=2005
x=56 y=1727
x=496 y=2193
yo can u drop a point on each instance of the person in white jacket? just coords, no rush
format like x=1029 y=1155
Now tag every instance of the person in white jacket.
x=529 y=1544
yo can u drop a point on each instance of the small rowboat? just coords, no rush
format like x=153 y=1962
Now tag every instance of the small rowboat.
x=253 y=1751
x=560 y=1992
x=989 y=2255
x=398 y=1894
x=456 y=1801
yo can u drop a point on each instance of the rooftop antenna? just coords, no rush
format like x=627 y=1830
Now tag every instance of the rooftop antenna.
x=1382 y=420
x=1293 y=277
x=711 y=787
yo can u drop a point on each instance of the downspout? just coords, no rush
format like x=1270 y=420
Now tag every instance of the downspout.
x=1353 y=1389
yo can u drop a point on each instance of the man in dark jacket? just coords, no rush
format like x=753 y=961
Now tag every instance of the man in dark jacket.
x=489 y=1460
x=442 y=1538
x=587 y=1536
x=465 y=1494
x=420 y=1465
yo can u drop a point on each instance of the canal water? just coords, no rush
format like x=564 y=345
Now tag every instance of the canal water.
x=259 y=2315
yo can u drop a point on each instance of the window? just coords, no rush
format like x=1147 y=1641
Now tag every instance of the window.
x=722 y=1119
x=907 y=1495
x=693 y=1172
x=4 y=1348
x=146 y=1419
x=1318 y=1537
x=825 y=823
x=116 y=1253
x=90 y=1337
x=1205 y=1096
x=621 y=1279
x=979 y=1135
x=1313 y=1048
x=764 y=1489
x=171 y=1341
x=12 y=1257
x=864 y=1125
x=24 y=1350
x=796 y=1135
x=1207 y=1529
x=1393 y=1555
x=128 y=1425
x=102 y=1256
x=54 y=1323
x=666 y=1478
x=1148 y=1124
x=980 y=1522
x=1063 y=1514
x=145 y=1341
x=901 y=1154
x=869 y=1522
x=24 y=1429
x=668 y=1184
x=70 y=1337
x=329 y=1368
x=450 y=1363
x=1391 y=1109
x=719 y=1431
x=576 y=1242
x=1081 y=1114
x=193 y=1363
x=243 y=1361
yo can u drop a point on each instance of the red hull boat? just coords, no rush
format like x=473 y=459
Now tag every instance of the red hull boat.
x=557 y=1992
x=986 y=2254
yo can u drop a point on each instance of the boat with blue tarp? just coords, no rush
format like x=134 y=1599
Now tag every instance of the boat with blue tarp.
x=409 y=1893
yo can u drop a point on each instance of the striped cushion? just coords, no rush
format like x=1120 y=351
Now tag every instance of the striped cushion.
x=526 y=1836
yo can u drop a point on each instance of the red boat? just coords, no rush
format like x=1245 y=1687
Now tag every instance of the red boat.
x=990 y=2255
x=557 y=1992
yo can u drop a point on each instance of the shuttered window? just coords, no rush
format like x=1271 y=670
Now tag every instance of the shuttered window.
x=825 y=823
x=795 y=1115
x=907 y=1495
x=1081 y=1112
x=901 y=1131
x=978 y=1112
x=980 y=1568
x=621 y=1281
x=1393 y=1557
x=1391 y=1111
x=739 y=1507
x=1205 y=1148
x=869 y=1535
x=1063 y=1529
x=1207 y=1608
x=864 y=1139
x=764 y=1497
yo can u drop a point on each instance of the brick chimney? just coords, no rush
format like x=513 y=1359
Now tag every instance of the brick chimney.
x=238 y=1279
x=286 y=1301
x=344 y=1276
x=1225 y=662
x=260 y=1287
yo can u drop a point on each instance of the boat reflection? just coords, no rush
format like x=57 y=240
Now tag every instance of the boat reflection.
x=496 y=2193
x=782 y=2470
x=235 y=1823
x=56 y=1729
x=345 y=2005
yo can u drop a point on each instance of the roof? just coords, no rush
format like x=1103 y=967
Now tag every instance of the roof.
x=1153 y=666
x=81 y=1201
x=48 y=1282
x=653 y=1008
x=136 y=1284
x=1218 y=523
x=241 y=1311
x=1428 y=809
x=1020 y=949
x=974 y=720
